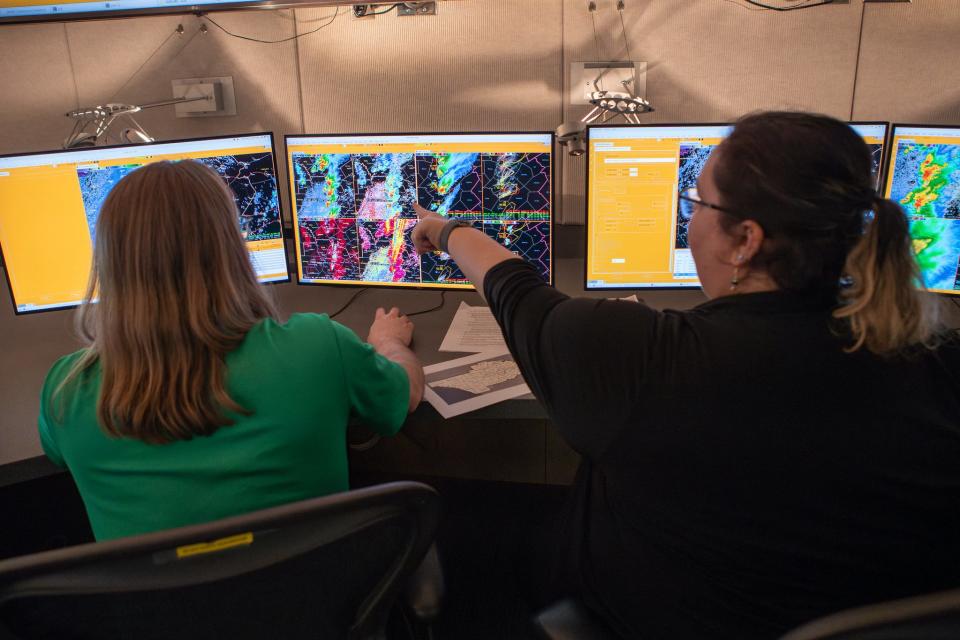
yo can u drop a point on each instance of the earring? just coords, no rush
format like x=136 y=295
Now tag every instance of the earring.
x=735 y=280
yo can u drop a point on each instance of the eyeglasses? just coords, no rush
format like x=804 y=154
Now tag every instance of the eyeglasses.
x=691 y=195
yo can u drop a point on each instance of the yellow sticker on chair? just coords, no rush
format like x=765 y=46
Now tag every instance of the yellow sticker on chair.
x=217 y=545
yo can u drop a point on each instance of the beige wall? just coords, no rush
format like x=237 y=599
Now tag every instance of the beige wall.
x=909 y=69
x=477 y=65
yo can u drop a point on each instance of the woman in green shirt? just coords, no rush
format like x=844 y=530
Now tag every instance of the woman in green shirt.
x=193 y=401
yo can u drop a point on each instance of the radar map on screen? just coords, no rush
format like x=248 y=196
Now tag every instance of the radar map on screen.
x=692 y=158
x=876 y=156
x=926 y=183
x=250 y=177
x=355 y=211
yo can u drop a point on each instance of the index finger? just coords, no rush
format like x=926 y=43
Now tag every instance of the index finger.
x=422 y=212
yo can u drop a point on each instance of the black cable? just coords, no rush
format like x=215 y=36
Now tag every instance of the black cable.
x=380 y=13
x=299 y=35
x=347 y=303
x=955 y=301
x=742 y=6
x=794 y=8
x=623 y=30
x=443 y=301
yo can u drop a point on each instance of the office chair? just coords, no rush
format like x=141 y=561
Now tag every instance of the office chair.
x=329 y=567
x=930 y=617
x=569 y=619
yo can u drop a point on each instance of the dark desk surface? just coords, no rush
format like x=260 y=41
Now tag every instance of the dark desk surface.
x=511 y=441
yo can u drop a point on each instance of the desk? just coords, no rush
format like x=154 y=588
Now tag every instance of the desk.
x=509 y=441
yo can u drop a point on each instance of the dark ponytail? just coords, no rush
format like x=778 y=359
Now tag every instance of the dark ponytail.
x=884 y=306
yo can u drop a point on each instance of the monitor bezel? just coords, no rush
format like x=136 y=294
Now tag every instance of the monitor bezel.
x=197 y=10
x=586 y=202
x=273 y=153
x=415 y=287
x=887 y=139
x=889 y=175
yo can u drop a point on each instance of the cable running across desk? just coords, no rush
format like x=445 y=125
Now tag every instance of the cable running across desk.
x=347 y=303
x=443 y=301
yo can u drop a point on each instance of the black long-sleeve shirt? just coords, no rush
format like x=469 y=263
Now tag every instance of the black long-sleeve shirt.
x=742 y=473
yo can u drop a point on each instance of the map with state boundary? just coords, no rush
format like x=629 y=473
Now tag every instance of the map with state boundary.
x=506 y=195
x=249 y=176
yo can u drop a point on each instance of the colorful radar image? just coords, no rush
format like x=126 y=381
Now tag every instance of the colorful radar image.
x=250 y=176
x=355 y=211
x=926 y=183
x=692 y=158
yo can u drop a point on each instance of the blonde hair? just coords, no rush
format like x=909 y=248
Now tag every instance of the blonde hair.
x=885 y=306
x=177 y=293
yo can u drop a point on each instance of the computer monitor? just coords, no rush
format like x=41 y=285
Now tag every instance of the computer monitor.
x=18 y=11
x=49 y=204
x=353 y=201
x=875 y=135
x=923 y=176
x=636 y=225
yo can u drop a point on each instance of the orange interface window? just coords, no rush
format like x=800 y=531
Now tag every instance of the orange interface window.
x=923 y=176
x=636 y=225
x=49 y=204
x=353 y=202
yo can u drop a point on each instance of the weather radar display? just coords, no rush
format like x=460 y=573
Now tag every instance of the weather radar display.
x=924 y=179
x=50 y=203
x=693 y=156
x=250 y=177
x=354 y=195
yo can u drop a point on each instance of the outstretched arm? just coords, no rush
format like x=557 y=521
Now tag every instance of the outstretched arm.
x=474 y=252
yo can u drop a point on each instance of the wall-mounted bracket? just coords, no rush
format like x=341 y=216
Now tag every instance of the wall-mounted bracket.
x=622 y=75
x=222 y=101
x=417 y=9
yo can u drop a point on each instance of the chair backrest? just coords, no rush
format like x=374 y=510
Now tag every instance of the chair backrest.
x=930 y=617
x=328 y=567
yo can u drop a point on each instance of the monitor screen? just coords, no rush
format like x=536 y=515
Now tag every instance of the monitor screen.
x=923 y=176
x=49 y=204
x=636 y=225
x=875 y=135
x=12 y=11
x=353 y=202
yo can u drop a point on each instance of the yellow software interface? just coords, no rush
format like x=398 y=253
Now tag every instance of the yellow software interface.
x=49 y=204
x=636 y=225
x=353 y=202
x=923 y=177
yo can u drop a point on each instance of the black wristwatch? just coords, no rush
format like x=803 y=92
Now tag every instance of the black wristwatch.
x=448 y=227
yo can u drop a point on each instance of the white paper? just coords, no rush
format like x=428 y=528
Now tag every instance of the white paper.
x=632 y=298
x=458 y=386
x=473 y=330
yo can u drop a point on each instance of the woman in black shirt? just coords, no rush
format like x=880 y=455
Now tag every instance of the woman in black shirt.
x=789 y=448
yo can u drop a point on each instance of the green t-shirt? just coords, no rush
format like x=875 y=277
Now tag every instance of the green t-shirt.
x=302 y=381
